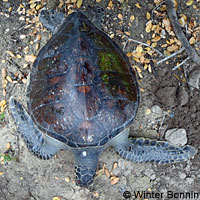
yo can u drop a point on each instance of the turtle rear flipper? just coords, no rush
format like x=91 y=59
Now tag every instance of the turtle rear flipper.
x=40 y=144
x=146 y=150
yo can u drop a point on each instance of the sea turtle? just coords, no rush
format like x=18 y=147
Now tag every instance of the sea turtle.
x=83 y=96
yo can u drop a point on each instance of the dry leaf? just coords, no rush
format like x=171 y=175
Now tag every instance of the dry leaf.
x=95 y=194
x=137 y=68
x=154 y=44
x=110 y=5
x=156 y=39
x=67 y=179
x=114 y=180
x=8 y=146
x=24 y=81
x=192 y=40
x=3 y=72
x=37 y=46
x=38 y=6
x=4 y=92
x=183 y=20
x=127 y=33
x=172 y=48
x=120 y=16
x=137 y=5
x=189 y=2
x=56 y=198
x=79 y=3
x=30 y=58
x=4 y=83
x=114 y=166
x=107 y=173
x=2 y=103
x=11 y=54
x=129 y=54
x=148 y=26
x=139 y=49
x=9 y=79
x=132 y=17
x=148 y=16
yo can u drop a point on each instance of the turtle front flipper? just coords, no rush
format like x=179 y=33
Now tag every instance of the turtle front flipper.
x=51 y=19
x=86 y=162
x=146 y=150
x=41 y=145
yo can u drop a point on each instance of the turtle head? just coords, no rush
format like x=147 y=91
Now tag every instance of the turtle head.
x=86 y=162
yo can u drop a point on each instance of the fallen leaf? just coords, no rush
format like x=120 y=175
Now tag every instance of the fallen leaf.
x=148 y=16
x=30 y=58
x=172 y=48
x=137 y=5
x=120 y=16
x=114 y=180
x=132 y=17
x=189 y=2
x=148 y=26
x=79 y=3
x=11 y=54
x=3 y=72
x=156 y=39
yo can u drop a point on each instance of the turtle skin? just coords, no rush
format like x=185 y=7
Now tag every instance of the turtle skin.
x=82 y=89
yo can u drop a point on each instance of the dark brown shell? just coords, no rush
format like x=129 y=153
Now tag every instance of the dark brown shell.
x=82 y=90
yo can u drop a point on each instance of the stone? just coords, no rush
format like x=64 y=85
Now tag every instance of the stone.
x=194 y=79
x=157 y=110
x=167 y=96
x=176 y=136
x=183 y=97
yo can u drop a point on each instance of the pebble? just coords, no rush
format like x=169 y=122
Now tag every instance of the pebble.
x=156 y=109
x=182 y=175
x=176 y=136
x=189 y=180
x=194 y=79
x=148 y=111
x=183 y=96
x=150 y=173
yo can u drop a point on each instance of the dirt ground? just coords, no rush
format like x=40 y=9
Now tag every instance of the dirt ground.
x=25 y=177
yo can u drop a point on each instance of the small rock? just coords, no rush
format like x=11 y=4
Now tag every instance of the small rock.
x=189 y=180
x=176 y=136
x=183 y=97
x=148 y=111
x=167 y=96
x=156 y=109
x=194 y=79
x=182 y=175
x=150 y=173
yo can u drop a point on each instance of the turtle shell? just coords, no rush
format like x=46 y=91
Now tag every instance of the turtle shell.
x=82 y=89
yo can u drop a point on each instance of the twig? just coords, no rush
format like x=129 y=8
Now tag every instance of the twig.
x=138 y=42
x=172 y=55
x=162 y=122
x=179 y=33
x=180 y=64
